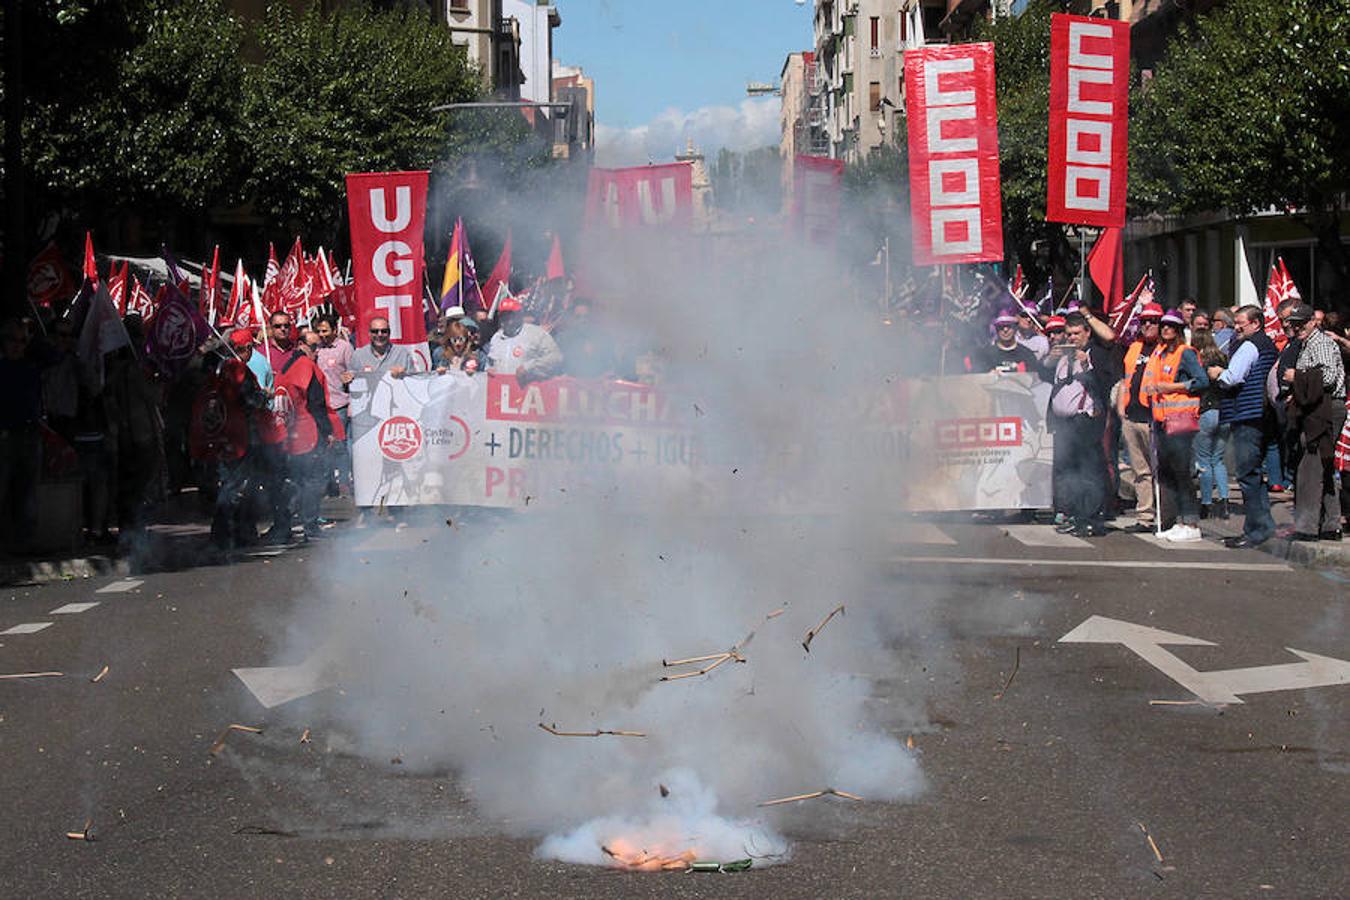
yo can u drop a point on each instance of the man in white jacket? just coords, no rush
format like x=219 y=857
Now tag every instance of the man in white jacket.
x=522 y=348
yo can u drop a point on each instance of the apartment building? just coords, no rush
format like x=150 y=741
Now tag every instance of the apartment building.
x=859 y=60
x=511 y=41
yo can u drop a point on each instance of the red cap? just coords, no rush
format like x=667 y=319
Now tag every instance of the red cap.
x=508 y=304
x=241 y=337
x=1054 y=322
x=1151 y=311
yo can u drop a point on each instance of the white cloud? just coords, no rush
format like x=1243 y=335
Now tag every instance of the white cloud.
x=752 y=124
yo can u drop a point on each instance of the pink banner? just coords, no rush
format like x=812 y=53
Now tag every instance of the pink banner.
x=954 y=183
x=816 y=185
x=388 y=213
x=1089 y=110
x=641 y=196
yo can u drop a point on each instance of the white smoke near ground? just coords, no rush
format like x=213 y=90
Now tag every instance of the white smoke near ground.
x=466 y=652
x=749 y=125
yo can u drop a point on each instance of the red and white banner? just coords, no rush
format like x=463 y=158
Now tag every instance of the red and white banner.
x=817 y=182
x=388 y=212
x=641 y=196
x=1089 y=109
x=953 y=154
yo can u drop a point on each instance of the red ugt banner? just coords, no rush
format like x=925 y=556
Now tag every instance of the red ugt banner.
x=642 y=196
x=1089 y=108
x=388 y=212
x=816 y=183
x=954 y=183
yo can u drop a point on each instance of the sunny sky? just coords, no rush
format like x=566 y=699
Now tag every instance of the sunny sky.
x=664 y=70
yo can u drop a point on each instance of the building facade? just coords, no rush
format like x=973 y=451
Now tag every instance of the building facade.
x=574 y=136
x=859 y=60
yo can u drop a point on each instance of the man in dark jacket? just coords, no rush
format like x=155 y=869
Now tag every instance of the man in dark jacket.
x=1077 y=417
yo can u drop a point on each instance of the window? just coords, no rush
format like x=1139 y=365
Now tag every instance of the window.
x=876 y=32
x=874 y=96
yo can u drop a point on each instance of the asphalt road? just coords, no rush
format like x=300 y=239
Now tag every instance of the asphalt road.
x=1048 y=768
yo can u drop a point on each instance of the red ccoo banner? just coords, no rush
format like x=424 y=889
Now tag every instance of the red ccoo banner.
x=953 y=154
x=816 y=185
x=1089 y=108
x=388 y=212
x=641 y=196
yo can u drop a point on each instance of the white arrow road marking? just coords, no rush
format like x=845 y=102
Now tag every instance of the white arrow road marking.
x=1220 y=686
x=275 y=685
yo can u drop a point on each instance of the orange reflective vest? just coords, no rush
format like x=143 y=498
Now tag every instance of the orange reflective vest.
x=1164 y=368
x=1131 y=363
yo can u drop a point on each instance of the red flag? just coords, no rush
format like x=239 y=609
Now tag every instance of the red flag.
x=117 y=287
x=1019 y=286
x=1089 y=114
x=48 y=278
x=138 y=301
x=1106 y=264
x=90 y=266
x=501 y=275
x=555 y=261
x=209 y=295
x=816 y=189
x=956 y=206
x=387 y=212
x=238 y=290
x=1279 y=288
x=293 y=285
x=649 y=196
x=269 y=289
x=322 y=276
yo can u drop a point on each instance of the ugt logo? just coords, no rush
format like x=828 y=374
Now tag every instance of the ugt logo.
x=400 y=438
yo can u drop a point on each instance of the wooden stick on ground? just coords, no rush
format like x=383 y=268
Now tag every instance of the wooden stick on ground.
x=304 y=736
x=811 y=635
x=81 y=835
x=99 y=677
x=1017 y=664
x=669 y=663
x=718 y=659
x=553 y=729
x=1153 y=845
x=1176 y=703
x=18 y=675
x=219 y=745
x=811 y=796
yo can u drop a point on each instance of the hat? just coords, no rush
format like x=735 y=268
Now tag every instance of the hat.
x=241 y=337
x=1151 y=311
x=455 y=312
x=508 y=304
x=469 y=323
x=1172 y=317
x=1301 y=312
x=1005 y=318
x=1054 y=322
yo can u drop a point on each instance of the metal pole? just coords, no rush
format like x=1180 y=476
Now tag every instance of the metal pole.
x=1082 y=263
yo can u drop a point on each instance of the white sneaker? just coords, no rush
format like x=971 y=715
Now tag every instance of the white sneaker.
x=1182 y=534
x=1170 y=533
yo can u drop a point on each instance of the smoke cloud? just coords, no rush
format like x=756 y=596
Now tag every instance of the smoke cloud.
x=453 y=653
x=751 y=124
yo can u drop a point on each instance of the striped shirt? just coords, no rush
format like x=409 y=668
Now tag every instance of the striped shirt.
x=1320 y=350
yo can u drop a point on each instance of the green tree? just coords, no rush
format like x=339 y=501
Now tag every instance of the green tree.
x=1250 y=110
x=358 y=89
x=132 y=105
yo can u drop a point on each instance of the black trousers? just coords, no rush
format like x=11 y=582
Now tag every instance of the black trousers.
x=1080 y=467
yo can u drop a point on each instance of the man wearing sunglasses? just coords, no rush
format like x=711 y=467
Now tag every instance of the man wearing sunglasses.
x=379 y=356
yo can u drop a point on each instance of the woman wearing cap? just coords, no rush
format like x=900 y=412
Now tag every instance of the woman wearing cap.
x=1174 y=380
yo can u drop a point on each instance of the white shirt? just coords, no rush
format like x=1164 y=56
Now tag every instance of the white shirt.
x=532 y=349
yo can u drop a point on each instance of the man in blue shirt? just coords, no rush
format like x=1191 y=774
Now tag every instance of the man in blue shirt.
x=1244 y=408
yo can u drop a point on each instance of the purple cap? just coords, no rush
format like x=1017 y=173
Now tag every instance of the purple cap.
x=1005 y=318
x=1172 y=317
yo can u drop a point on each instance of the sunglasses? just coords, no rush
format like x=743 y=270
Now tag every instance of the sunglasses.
x=379 y=331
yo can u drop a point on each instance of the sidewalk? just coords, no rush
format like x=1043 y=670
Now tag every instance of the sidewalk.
x=180 y=538
x=1327 y=554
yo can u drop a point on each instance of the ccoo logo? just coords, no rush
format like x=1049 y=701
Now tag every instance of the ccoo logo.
x=400 y=438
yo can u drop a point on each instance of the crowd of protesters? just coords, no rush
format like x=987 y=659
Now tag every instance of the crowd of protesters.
x=1163 y=414
x=258 y=420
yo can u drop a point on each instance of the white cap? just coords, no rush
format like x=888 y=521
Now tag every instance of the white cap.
x=455 y=312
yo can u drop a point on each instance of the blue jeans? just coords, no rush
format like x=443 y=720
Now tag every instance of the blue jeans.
x=1249 y=444
x=1273 y=463
x=1210 y=443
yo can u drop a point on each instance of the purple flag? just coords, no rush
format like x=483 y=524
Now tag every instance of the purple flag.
x=175 y=333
